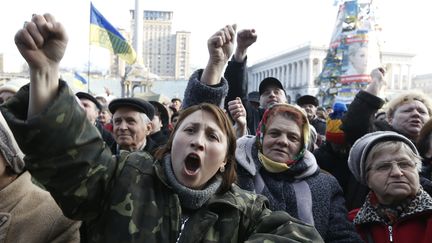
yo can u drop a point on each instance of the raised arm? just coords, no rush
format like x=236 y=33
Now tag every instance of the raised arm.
x=245 y=38
x=64 y=151
x=236 y=73
x=220 y=47
x=360 y=115
x=208 y=85
x=42 y=42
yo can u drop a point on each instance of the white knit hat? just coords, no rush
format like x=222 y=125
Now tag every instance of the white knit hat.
x=361 y=148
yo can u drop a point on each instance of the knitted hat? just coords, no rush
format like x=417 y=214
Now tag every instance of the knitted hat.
x=361 y=148
x=333 y=132
x=9 y=148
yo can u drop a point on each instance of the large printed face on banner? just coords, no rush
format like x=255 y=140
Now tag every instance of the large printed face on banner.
x=357 y=59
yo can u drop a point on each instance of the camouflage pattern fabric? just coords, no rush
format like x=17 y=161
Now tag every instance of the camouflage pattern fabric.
x=125 y=198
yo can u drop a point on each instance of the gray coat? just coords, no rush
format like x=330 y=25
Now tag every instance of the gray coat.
x=305 y=192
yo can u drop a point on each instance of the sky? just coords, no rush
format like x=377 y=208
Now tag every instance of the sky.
x=281 y=25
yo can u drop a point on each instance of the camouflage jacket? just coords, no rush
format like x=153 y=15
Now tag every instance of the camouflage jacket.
x=125 y=198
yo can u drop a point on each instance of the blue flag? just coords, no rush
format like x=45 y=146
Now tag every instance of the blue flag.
x=103 y=34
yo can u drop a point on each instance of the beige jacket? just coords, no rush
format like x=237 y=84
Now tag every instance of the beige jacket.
x=29 y=214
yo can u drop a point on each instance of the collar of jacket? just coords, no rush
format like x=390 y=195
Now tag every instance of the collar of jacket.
x=14 y=191
x=247 y=156
x=235 y=197
x=420 y=204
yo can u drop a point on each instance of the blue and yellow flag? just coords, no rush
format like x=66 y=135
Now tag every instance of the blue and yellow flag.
x=102 y=33
x=79 y=81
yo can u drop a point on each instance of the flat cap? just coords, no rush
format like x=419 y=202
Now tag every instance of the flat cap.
x=137 y=104
x=87 y=96
x=361 y=148
x=307 y=100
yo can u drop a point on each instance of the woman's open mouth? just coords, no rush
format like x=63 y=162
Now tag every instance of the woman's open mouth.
x=192 y=164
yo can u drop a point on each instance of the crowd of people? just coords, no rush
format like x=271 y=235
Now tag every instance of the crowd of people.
x=222 y=165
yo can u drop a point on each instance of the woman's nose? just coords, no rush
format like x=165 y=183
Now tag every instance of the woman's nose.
x=198 y=142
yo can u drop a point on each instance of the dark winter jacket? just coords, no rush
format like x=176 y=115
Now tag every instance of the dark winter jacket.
x=307 y=194
x=235 y=74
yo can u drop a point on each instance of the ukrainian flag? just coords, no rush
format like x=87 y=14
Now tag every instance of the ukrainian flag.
x=79 y=81
x=102 y=33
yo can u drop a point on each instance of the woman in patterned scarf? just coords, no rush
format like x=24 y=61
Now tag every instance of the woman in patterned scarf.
x=397 y=209
x=277 y=164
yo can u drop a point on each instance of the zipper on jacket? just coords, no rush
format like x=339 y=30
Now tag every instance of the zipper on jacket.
x=182 y=228
x=390 y=229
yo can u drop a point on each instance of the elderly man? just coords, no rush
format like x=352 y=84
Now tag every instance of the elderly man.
x=132 y=124
x=92 y=107
x=310 y=103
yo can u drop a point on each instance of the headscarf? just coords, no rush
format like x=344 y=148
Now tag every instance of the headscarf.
x=263 y=126
x=9 y=148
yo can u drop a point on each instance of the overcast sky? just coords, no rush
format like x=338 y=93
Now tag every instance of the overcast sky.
x=281 y=25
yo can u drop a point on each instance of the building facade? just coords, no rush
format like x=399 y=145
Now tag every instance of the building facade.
x=423 y=83
x=299 y=68
x=164 y=54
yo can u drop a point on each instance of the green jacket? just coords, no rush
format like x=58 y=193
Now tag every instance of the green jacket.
x=125 y=198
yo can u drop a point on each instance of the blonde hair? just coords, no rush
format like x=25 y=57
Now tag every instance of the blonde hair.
x=406 y=97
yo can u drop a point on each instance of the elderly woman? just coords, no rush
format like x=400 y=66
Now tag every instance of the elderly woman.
x=277 y=164
x=186 y=195
x=406 y=114
x=396 y=209
x=27 y=212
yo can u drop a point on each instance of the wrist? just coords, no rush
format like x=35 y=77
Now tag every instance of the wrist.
x=240 y=55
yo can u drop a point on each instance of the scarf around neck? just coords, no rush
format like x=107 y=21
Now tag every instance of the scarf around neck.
x=190 y=198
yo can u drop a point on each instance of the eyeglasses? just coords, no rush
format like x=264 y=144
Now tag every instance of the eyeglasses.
x=403 y=165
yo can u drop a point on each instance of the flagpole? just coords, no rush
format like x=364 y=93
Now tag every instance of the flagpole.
x=89 y=50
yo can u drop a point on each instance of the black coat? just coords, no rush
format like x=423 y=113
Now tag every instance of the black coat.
x=236 y=76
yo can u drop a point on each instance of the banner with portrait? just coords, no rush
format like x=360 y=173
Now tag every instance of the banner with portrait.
x=353 y=52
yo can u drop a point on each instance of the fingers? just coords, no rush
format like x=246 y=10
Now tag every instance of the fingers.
x=247 y=33
x=34 y=33
x=223 y=36
x=24 y=39
x=236 y=108
x=378 y=73
x=54 y=27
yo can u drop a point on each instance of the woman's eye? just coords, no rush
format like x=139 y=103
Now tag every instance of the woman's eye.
x=214 y=137
x=384 y=167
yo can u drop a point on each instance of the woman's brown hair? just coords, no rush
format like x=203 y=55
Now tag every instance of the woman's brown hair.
x=229 y=176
